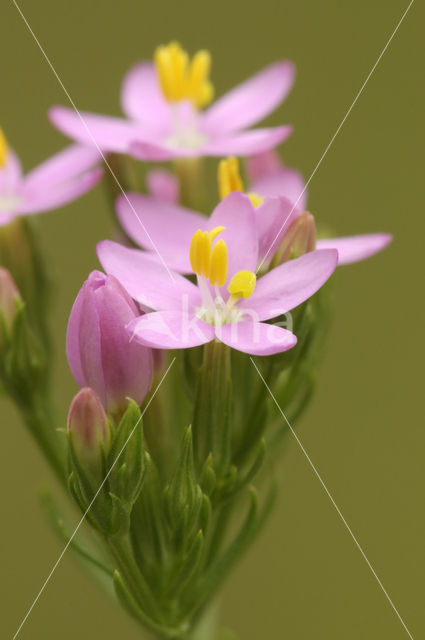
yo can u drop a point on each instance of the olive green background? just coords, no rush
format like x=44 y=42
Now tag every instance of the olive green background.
x=305 y=579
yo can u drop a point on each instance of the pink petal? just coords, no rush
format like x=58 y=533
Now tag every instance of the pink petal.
x=68 y=163
x=283 y=182
x=11 y=175
x=171 y=330
x=147 y=279
x=256 y=338
x=237 y=214
x=142 y=99
x=252 y=100
x=290 y=284
x=163 y=185
x=262 y=164
x=105 y=132
x=247 y=142
x=59 y=195
x=157 y=151
x=354 y=248
x=83 y=319
x=6 y=217
x=169 y=227
x=273 y=219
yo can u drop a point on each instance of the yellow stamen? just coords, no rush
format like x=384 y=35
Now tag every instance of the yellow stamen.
x=207 y=260
x=256 y=200
x=218 y=272
x=242 y=285
x=182 y=79
x=4 y=149
x=229 y=177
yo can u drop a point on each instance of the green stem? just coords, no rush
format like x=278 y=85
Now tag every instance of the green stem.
x=212 y=410
x=41 y=425
x=190 y=174
x=126 y=563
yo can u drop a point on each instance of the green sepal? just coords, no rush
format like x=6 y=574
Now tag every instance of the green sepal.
x=24 y=363
x=205 y=513
x=242 y=481
x=90 y=489
x=148 y=523
x=208 y=478
x=127 y=459
x=131 y=606
x=120 y=516
x=222 y=564
x=183 y=496
x=189 y=566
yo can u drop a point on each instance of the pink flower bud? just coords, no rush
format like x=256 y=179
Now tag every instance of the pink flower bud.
x=298 y=240
x=100 y=352
x=88 y=424
x=9 y=300
x=163 y=185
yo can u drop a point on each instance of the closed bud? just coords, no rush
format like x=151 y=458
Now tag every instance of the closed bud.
x=298 y=240
x=10 y=300
x=88 y=426
x=100 y=352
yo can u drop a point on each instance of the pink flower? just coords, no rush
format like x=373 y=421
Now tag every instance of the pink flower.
x=283 y=229
x=226 y=303
x=162 y=105
x=99 y=351
x=59 y=180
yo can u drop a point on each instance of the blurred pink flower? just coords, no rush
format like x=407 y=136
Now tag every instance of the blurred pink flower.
x=59 y=180
x=155 y=129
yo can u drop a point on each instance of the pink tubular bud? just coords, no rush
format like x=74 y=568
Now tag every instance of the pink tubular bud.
x=298 y=240
x=99 y=349
x=163 y=185
x=9 y=301
x=88 y=424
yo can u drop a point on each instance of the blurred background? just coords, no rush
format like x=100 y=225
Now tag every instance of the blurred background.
x=364 y=430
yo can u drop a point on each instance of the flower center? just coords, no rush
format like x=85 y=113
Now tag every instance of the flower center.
x=9 y=203
x=184 y=79
x=229 y=179
x=209 y=263
x=4 y=149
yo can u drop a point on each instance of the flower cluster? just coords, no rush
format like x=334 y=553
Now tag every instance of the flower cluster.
x=209 y=280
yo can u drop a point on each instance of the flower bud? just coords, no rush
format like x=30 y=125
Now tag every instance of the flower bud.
x=100 y=352
x=88 y=424
x=9 y=302
x=298 y=240
x=163 y=185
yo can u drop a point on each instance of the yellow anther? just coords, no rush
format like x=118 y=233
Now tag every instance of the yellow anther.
x=199 y=88
x=215 y=232
x=256 y=200
x=218 y=272
x=182 y=79
x=4 y=149
x=242 y=284
x=229 y=177
x=207 y=260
